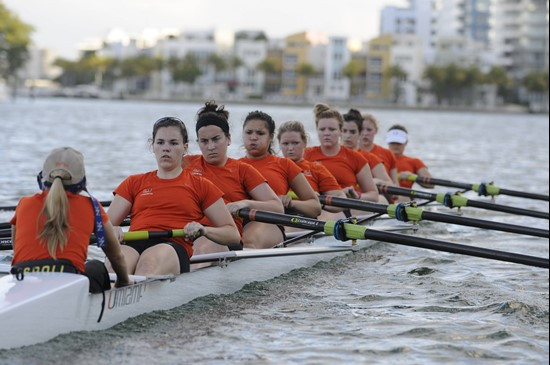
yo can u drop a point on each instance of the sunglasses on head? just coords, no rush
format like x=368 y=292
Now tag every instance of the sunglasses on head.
x=167 y=121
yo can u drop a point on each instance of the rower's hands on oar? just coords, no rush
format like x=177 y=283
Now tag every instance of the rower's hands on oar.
x=286 y=200
x=235 y=207
x=350 y=192
x=194 y=230
x=119 y=233
x=404 y=175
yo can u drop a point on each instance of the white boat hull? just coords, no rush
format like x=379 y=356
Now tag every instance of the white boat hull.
x=44 y=305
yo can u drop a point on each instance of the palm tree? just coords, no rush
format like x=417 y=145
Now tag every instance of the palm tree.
x=306 y=70
x=353 y=70
x=397 y=77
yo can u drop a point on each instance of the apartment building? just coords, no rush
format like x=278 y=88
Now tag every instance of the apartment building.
x=519 y=35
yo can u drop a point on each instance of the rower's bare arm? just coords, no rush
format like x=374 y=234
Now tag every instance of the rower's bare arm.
x=308 y=202
x=393 y=176
x=223 y=229
x=380 y=175
x=264 y=198
x=336 y=193
x=118 y=210
x=366 y=183
x=424 y=172
x=116 y=257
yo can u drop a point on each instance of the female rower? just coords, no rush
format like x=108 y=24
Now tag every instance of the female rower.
x=167 y=199
x=397 y=139
x=351 y=132
x=293 y=140
x=243 y=186
x=51 y=230
x=350 y=168
x=281 y=174
x=370 y=128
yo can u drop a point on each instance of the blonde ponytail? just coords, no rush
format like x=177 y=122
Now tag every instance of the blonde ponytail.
x=55 y=230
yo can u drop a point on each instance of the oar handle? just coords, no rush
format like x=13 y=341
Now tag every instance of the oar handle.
x=147 y=235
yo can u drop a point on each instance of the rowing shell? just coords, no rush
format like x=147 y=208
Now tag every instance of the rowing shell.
x=44 y=305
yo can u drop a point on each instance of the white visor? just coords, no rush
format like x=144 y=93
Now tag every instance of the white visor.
x=396 y=136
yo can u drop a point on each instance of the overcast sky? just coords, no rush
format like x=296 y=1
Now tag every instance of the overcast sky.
x=62 y=24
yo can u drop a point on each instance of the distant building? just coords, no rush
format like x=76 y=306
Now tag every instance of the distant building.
x=251 y=48
x=432 y=20
x=40 y=65
x=378 y=61
x=519 y=35
x=338 y=55
x=419 y=18
x=302 y=49
x=402 y=50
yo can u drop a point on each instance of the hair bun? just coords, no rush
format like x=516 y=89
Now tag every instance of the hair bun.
x=320 y=108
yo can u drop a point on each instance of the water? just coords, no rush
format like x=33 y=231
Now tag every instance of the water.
x=384 y=304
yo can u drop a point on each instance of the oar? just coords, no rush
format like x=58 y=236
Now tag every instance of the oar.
x=361 y=221
x=415 y=214
x=105 y=203
x=483 y=189
x=353 y=231
x=7 y=243
x=453 y=200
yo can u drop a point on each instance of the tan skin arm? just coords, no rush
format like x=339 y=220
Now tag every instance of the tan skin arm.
x=116 y=258
x=308 y=202
x=393 y=176
x=366 y=183
x=264 y=198
x=380 y=175
x=336 y=193
x=118 y=210
x=423 y=172
x=223 y=230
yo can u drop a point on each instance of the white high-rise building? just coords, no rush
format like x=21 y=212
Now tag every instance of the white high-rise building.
x=519 y=35
x=433 y=20
x=417 y=18
x=251 y=49
x=337 y=56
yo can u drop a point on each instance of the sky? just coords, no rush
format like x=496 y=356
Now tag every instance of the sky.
x=61 y=25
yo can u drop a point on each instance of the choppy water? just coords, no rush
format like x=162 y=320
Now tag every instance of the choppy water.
x=385 y=304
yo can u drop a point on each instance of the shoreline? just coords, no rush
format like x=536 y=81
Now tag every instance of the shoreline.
x=505 y=109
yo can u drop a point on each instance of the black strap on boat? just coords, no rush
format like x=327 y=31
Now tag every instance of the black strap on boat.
x=340 y=230
x=17 y=272
x=401 y=212
x=482 y=190
x=448 y=200
x=102 y=307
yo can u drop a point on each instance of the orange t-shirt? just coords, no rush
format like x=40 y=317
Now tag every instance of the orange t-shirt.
x=406 y=163
x=278 y=171
x=29 y=222
x=236 y=179
x=387 y=157
x=167 y=204
x=344 y=166
x=320 y=179
x=372 y=159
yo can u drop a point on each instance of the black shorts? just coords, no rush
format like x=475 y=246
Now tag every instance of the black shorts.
x=183 y=257
x=95 y=271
